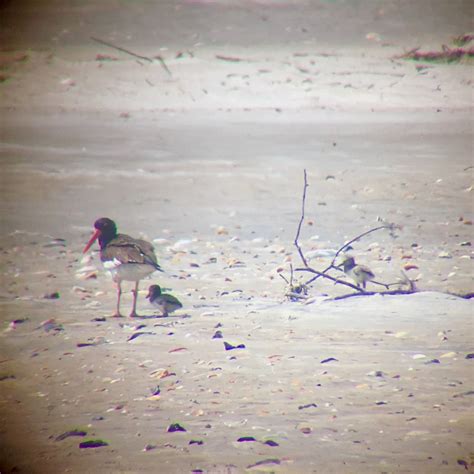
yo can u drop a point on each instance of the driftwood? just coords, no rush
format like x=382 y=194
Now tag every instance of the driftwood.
x=131 y=53
x=300 y=223
x=446 y=54
x=300 y=290
x=119 y=48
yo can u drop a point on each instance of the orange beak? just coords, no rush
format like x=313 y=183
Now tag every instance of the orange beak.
x=94 y=237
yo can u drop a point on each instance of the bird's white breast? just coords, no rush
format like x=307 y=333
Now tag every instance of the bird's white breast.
x=127 y=271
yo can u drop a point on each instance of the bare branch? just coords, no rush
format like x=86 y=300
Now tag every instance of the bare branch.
x=345 y=246
x=298 y=231
x=119 y=48
x=371 y=293
x=355 y=239
x=329 y=277
x=323 y=274
x=407 y=281
x=284 y=278
x=131 y=53
x=374 y=282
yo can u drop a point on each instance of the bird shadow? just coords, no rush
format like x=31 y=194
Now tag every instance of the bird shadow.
x=161 y=316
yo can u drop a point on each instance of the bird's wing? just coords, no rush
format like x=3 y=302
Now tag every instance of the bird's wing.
x=363 y=271
x=172 y=299
x=125 y=249
x=148 y=251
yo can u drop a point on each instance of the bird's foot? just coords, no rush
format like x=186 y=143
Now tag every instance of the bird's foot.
x=117 y=315
x=133 y=314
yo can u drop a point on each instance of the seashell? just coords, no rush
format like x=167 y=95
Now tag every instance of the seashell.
x=270 y=442
x=87 y=268
x=161 y=241
x=304 y=428
x=86 y=259
x=181 y=244
x=67 y=434
x=199 y=442
x=246 y=439
x=221 y=230
x=88 y=275
x=93 y=443
x=320 y=253
x=373 y=37
x=67 y=82
x=175 y=427
x=444 y=255
x=93 y=304
x=161 y=373
x=448 y=355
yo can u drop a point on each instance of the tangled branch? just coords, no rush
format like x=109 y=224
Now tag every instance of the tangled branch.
x=299 y=291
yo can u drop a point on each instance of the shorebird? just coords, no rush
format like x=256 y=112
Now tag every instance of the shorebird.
x=359 y=273
x=164 y=302
x=127 y=259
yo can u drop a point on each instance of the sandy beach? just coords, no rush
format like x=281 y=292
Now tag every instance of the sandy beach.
x=192 y=130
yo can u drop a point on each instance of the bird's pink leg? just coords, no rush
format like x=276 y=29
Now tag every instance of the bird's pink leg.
x=119 y=294
x=133 y=314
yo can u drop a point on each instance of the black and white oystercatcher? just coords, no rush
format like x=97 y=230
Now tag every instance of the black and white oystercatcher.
x=126 y=258
x=164 y=302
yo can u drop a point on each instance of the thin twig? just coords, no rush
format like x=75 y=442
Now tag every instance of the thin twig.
x=329 y=277
x=355 y=239
x=231 y=59
x=163 y=65
x=372 y=293
x=285 y=279
x=323 y=274
x=320 y=274
x=386 y=285
x=131 y=53
x=118 y=48
x=345 y=246
x=298 y=231
x=408 y=281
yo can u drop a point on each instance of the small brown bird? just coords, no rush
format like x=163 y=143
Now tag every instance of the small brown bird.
x=164 y=302
x=127 y=259
x=359 y=273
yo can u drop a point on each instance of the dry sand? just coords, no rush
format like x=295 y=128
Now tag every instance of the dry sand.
x=208 y=163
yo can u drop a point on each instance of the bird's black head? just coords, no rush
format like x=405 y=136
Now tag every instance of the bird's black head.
x=104 y=224
x=107 y=230
x=153 y=292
